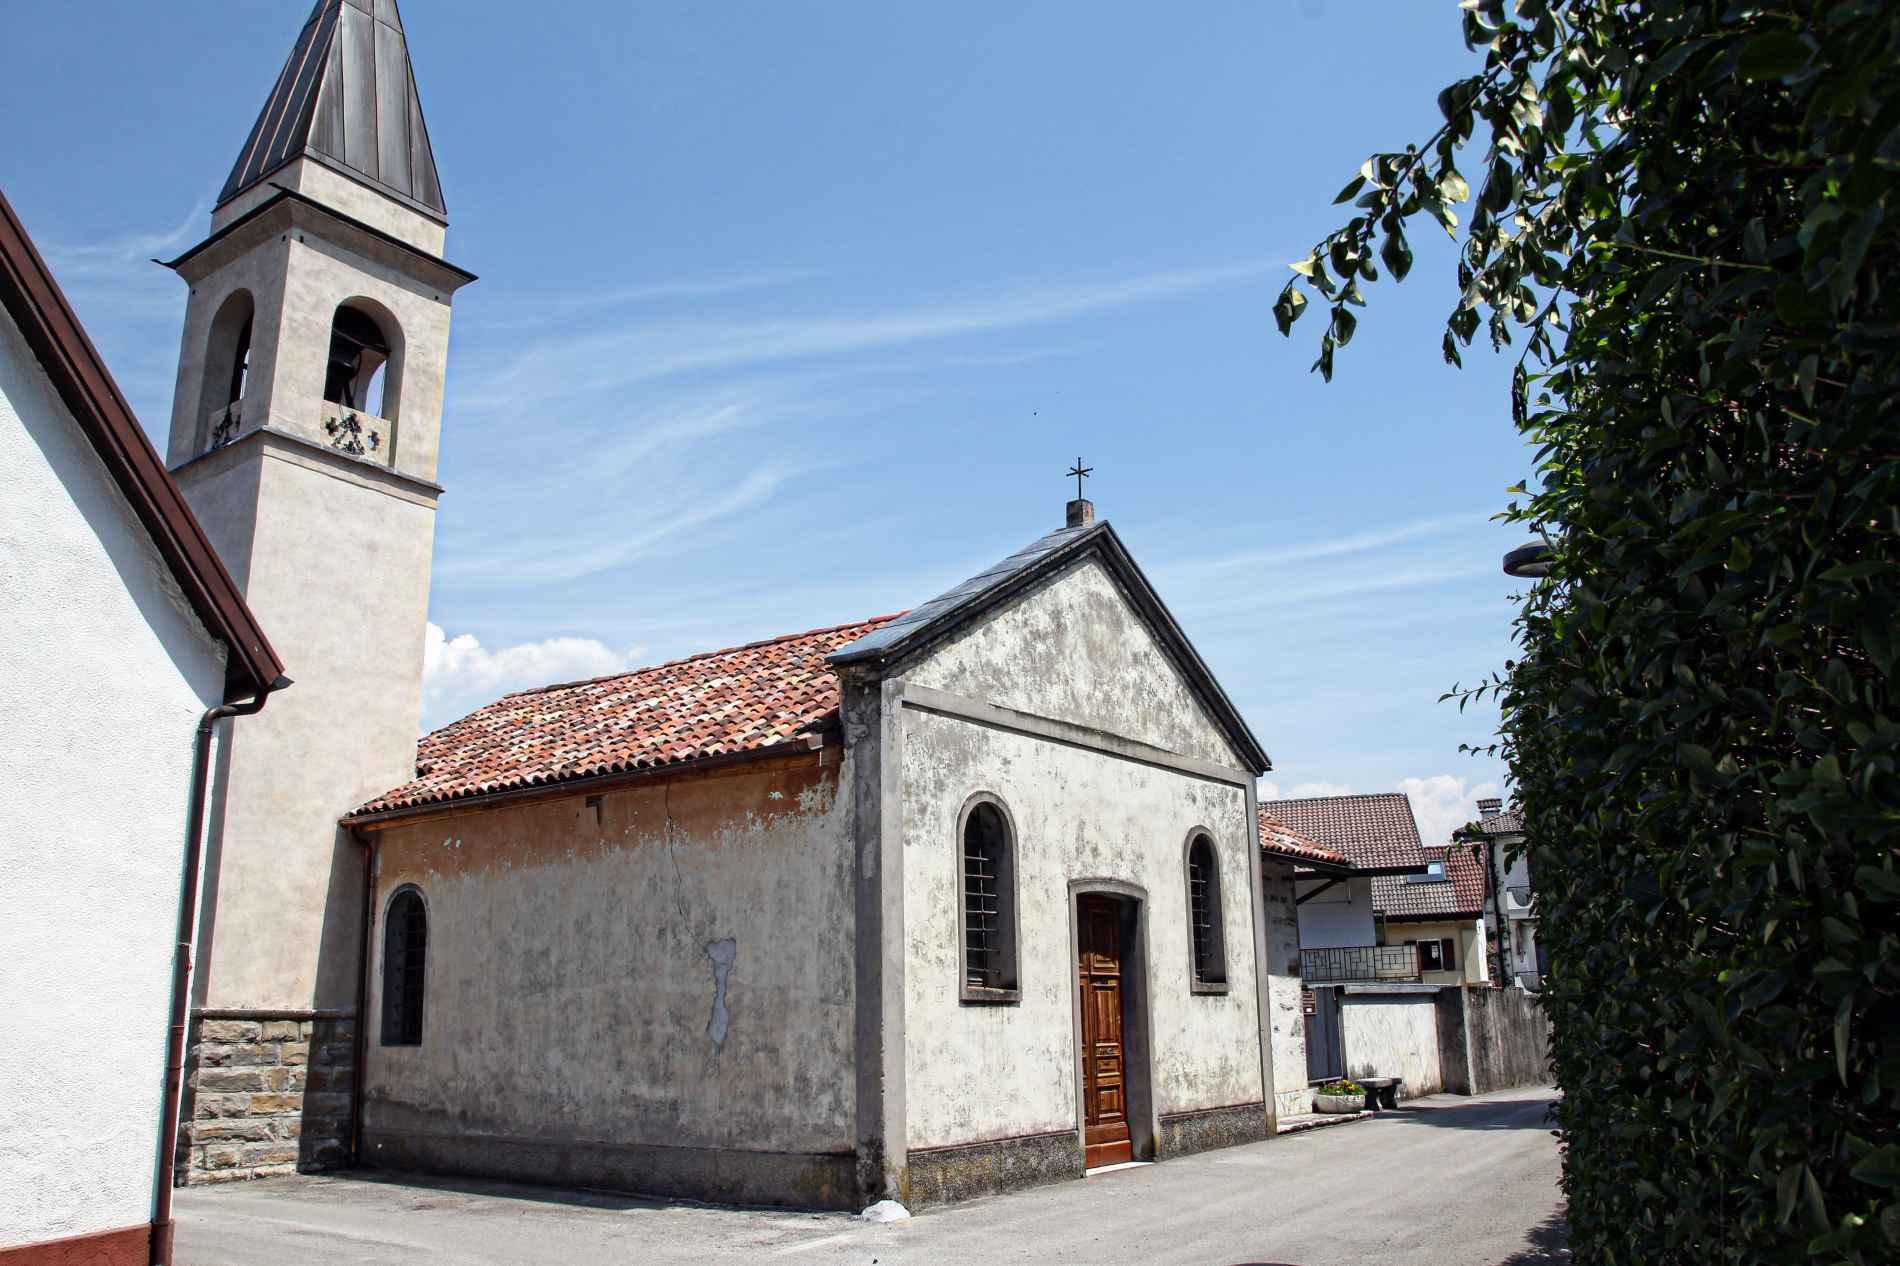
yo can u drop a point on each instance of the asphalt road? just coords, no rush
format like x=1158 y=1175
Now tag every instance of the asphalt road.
x=1470 y=1182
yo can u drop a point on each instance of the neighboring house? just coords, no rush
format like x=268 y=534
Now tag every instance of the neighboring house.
x=917 y=907
x=119 y=630
x=1406 y=912
x=1514 y=901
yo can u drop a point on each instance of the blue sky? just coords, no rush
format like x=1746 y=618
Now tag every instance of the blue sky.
x=793 y=313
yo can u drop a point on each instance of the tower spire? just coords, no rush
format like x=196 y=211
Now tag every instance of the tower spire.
x=347 y=98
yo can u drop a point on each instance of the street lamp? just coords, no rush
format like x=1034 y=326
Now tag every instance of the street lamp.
x=1530 y=561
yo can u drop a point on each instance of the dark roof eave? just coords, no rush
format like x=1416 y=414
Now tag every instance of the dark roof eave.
x=462 y=275
x=52 y=330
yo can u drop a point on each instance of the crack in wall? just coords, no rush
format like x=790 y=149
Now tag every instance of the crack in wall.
x=722 y=953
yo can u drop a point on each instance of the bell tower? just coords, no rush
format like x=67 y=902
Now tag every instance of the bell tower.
x=305 y=432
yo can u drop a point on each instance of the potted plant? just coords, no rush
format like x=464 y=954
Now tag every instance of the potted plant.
x=1339 y=1096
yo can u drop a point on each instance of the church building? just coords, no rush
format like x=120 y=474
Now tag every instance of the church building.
x=916 y=907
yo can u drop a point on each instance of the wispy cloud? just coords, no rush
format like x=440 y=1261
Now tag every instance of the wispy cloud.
x=1332 y=547
x=528 y=308
x=115 y=257
x=550 y=557
x=617 y=358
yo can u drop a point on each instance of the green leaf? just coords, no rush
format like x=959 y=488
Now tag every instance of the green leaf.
x=1773 y=56
x=1396 y=254
x=1452 y=186
x=1305 y=266
x=1344 y=323
x=1351 y=190
x=1288 y=309
x=1880 y=1168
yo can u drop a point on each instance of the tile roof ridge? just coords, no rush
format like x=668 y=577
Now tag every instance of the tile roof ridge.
x=1350 y=795
x=694 y=658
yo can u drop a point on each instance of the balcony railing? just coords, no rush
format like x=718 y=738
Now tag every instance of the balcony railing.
x=1354 y=964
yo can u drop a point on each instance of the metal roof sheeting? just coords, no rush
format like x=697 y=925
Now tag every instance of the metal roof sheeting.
x=347 y=96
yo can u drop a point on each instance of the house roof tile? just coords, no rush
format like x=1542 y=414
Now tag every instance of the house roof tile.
x=1379 y=830
x=744 y=699
x=1281 y=840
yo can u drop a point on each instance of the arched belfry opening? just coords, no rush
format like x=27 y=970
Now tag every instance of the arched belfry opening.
x=227 y=367
x=361 y=372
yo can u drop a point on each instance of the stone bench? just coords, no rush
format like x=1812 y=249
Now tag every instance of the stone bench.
x=1381 y=1092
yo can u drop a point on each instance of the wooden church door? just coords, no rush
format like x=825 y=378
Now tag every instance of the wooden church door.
x=1104 y=1088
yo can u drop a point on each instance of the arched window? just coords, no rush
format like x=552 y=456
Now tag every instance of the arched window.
x=405 y=957
x=988 y=878
x=1206 y=944
x=359 y=349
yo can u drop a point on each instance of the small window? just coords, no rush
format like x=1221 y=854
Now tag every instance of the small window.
x=989 y=905
x=1440 y=954
x=405 y=956
x=1209 y=952
x=1434 y=874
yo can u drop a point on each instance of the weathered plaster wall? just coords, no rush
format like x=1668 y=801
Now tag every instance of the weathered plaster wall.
x=1286 y=1021
x=1074 y=649
x=977 y=1072
x=1339 y=916
x=654 y=985
x=353 y=198
x=104 y=672
x=1393 y=1033
x=339 y=573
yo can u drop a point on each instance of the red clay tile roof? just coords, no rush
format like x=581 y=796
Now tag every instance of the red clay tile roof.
x=1379 y=830
x=1281 y=840
x=745 y=699
x=1510 y=822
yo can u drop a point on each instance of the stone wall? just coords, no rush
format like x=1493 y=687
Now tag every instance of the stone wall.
x=266 y=1093
x=1492 y=1039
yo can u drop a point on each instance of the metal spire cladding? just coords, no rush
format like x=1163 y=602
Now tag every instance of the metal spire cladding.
x=346 y=97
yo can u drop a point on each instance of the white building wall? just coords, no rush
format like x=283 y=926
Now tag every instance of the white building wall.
x=104 y=672
x=1387 y=1032
x=1339 y=916
x=1079 y=814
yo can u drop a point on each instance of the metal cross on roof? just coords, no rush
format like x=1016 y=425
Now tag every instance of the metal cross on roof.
x=1080 y=472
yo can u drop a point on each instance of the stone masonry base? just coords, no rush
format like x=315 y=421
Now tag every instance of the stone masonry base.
x=266 y=1093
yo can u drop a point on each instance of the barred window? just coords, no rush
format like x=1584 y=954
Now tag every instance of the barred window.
x=989 y=905
x=1206 y=944
x=405 y=955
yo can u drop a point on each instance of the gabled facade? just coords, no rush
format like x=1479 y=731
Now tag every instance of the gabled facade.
x=917 y=908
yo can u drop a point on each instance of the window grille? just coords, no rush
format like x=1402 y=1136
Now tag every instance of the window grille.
x=989 y=915
x=1204 y=914
x=405 y=956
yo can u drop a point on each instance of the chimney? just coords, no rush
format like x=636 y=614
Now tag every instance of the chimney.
x=1490 y=808
x=1081 y=513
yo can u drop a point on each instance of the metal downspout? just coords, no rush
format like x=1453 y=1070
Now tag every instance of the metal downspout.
x=162 y=1226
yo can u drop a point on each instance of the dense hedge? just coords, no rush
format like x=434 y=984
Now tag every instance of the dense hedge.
x=1690 y=220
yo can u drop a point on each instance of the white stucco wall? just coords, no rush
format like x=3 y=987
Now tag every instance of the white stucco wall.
x=1079 y=814
x=1388 y=1034
x=1474 y=954
x=104 y=672
x=1339 y=916
x=571 y=992
x=1076 y=650
x=338 y=572
x=1286 y=1019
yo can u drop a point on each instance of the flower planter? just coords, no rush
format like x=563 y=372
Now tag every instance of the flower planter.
x=1339 y=1103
